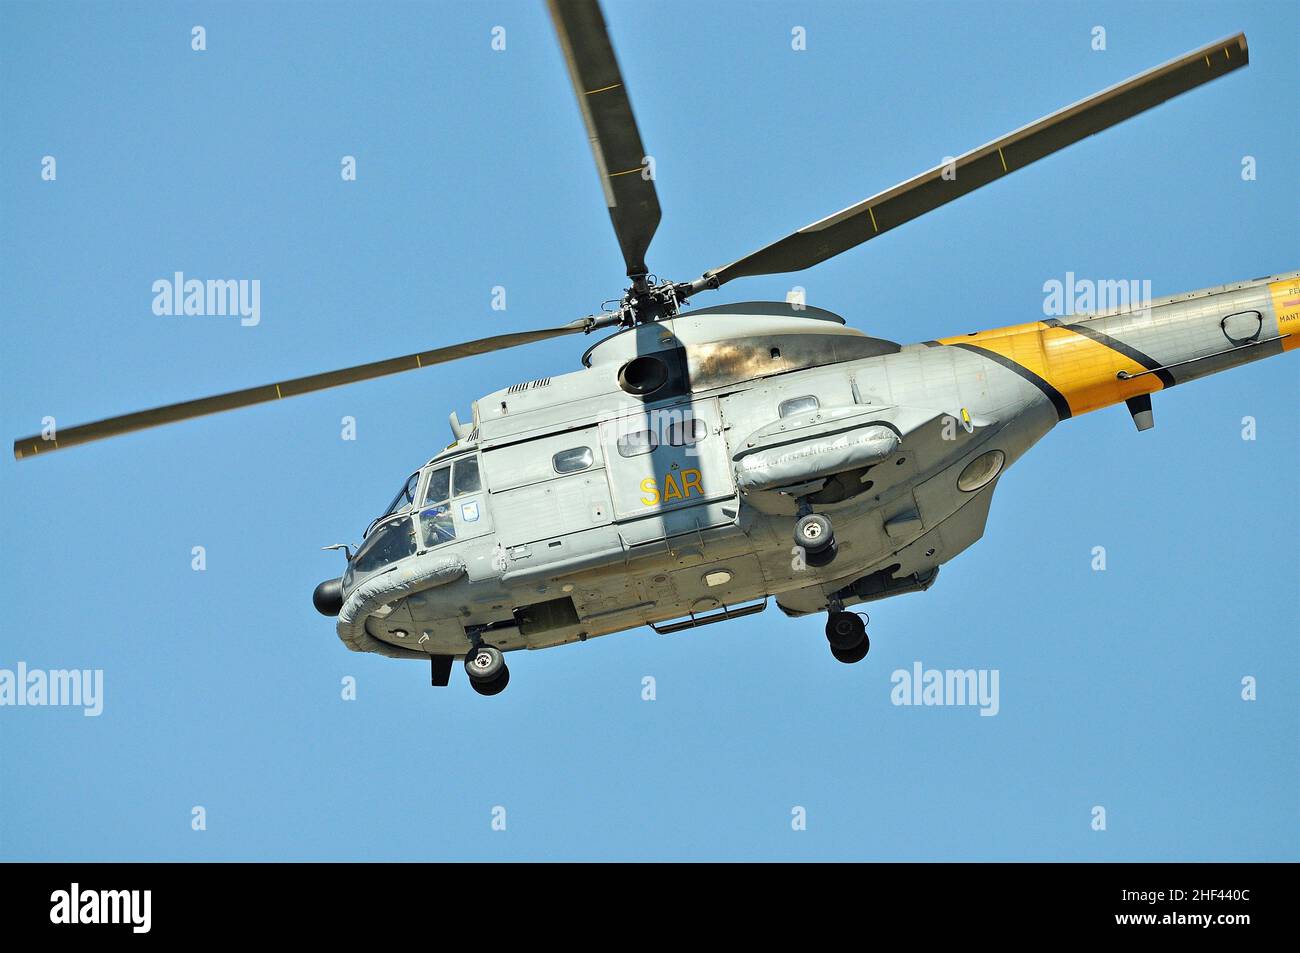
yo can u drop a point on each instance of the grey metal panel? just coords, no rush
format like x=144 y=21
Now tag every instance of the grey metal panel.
x=1190 y=330
x=694 y=594
x=727 y=362
x=554 y=508
x=521 y=464
x=668 y=477
x=703 y=328
x=783 y=309
x=1199 y=293
x=652 y=531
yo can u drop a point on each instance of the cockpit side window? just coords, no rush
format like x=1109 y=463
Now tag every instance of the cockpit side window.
x=796 y=405
x=465 y=478
x=439 y=487
x=436 y=524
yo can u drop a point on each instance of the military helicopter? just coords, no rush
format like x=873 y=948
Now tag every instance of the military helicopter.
x=704 y=461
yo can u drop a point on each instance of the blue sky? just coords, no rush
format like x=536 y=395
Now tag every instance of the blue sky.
x=222 y=688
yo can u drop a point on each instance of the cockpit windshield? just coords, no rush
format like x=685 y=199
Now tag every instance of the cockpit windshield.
x=388 y=543
x=391 y=542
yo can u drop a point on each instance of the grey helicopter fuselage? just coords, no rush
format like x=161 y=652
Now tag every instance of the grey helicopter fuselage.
x=659 y=485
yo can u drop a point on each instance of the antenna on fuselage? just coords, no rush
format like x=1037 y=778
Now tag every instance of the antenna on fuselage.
x=459 y=430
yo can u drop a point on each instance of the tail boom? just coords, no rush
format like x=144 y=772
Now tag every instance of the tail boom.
x=1083 y=363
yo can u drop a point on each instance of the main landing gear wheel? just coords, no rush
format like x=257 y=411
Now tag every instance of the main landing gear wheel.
x=847 y=634
x=849 y=656
x=494 y=687
x=813 y=533
x=486 y=668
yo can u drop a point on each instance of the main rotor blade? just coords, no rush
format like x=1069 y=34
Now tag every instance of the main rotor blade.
x=113 y=426
x=839 y=232
x=611 y=127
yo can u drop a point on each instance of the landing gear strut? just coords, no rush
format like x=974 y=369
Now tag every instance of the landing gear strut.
x=486 y=668
x=813 y=533
x=847 y=634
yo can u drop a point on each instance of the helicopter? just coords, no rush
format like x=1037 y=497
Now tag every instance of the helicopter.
x=705 y=461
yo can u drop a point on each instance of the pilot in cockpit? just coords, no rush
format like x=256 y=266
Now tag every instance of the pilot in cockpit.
x=437 y=525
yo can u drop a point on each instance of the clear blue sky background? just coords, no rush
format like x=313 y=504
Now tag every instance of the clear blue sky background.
x=1119 y=688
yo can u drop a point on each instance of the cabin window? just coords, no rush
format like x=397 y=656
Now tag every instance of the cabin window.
x=465 y=478
x=687 y=432
x=439 y=487
x=571 y=461
x=636 y=444
x=796 y=405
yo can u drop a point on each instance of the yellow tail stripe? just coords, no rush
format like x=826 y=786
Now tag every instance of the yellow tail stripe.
x=1081 y=369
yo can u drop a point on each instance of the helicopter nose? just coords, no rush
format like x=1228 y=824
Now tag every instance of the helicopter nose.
x=328 y=597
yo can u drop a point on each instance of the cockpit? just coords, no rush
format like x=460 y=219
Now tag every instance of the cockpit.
x=420 y=517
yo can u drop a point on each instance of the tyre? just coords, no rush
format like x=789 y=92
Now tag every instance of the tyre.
x=494 y=686
x=856 y=654
x=484 y=664
x=845 y=630
x=813 y=533
x=823 y=558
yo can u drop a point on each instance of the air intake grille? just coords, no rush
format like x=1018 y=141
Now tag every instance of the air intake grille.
x=520 y=388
